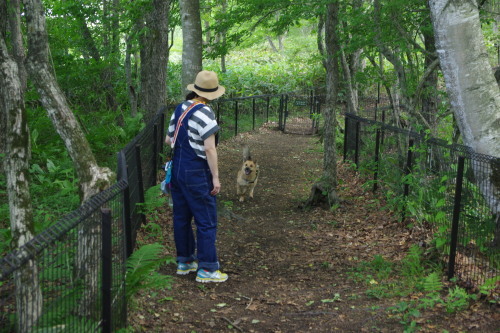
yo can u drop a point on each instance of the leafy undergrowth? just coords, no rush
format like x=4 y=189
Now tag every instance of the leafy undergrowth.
x=352 y=269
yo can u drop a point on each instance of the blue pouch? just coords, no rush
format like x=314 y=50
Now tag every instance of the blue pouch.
x=165 y=184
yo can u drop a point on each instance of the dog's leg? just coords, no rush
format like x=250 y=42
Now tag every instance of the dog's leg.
x=239 y=192
x=243 y=191
x=252 y=188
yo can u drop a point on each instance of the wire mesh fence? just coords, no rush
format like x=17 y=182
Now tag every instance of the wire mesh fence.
x=56 y=281
x=243 y=114
x=71 y=277
x=446 y=187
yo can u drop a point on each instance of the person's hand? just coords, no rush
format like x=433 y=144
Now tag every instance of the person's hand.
x=216 y=189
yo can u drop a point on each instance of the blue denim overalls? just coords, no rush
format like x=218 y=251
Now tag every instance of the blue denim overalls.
x=191 y=186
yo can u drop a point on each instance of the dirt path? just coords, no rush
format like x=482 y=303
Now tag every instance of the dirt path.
x=290 y=270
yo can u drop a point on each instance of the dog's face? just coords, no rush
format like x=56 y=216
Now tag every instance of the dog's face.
x=249 y=166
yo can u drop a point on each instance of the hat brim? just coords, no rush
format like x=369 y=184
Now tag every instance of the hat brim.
x=208 y=95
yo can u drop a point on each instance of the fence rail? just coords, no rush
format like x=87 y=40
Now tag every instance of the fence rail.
x=78 y=265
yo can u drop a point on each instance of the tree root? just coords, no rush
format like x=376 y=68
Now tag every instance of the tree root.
x=321 y=196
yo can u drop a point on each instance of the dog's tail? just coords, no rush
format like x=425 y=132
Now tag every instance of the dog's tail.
x=246 y=154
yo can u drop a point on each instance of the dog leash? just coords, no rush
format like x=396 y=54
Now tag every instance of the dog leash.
x=179 y=122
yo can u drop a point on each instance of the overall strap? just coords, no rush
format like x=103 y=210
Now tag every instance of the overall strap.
x=193 y=107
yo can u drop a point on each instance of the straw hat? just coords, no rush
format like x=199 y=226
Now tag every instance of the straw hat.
x=207 y=85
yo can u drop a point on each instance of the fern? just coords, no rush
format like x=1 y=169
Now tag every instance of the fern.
x=142 y=268
x=412 y=266
x=432 y=283
x=458 y=300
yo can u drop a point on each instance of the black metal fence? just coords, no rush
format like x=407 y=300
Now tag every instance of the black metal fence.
x=293 y=113
x=71 y=277
x=445 y=187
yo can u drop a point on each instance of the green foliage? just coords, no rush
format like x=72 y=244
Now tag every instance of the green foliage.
x=107 y=137
x=382 y=267
x=458 y=300
x=411 y=266
x=431 y=283
x=411 y=276
x=257 y=70
x=489 y=287
x=407 y=314
x=154 y=200
x=142 y=270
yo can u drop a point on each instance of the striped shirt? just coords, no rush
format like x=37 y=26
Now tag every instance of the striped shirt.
x=201 y=125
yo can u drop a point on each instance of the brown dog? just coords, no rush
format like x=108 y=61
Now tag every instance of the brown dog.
x=247 y=176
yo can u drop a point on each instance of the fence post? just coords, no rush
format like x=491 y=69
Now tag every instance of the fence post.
x=127 y=220
x=280 y=114
x=456 y=217
x=253 y=113
x=155 y=155
x=236 y=118
x=267 y=109
x=409 y=161
x=311 y=101
x=356 y=152
x=383 y=121
x=346 y=129
x=286 y=112
x=140 y=181
x=107 y=270
x=377 y=154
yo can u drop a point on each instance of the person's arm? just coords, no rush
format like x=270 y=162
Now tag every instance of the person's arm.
x=168 y=140
x=211 y=153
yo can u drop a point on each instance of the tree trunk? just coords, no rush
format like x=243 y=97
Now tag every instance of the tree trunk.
x=28 y=292
x=471 y=85
x=10 y=14
x=132 y=97
x=430 y=87
x=154 y=58
x=192 y=42
x=90 y=46
x=319 y=39
x=222 y=36
x=352 y=101
x=324 y=191
x=281 y=45
x=93 y=178
x=271 y=43
x=3 y=120
x=392 y=56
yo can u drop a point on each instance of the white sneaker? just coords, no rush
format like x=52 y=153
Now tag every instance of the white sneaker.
x=205 y=276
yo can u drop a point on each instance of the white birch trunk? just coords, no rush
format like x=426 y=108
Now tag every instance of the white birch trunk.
x=328 y=182
x=93 y=178
x=28 y=293
x=471 y=85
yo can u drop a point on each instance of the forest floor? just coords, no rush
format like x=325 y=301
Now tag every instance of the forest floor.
x=292 y=270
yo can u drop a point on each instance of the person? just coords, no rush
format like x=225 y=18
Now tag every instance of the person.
x=195 y=179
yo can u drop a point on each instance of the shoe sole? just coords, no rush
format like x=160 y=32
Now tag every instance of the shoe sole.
x=186 y=272
x=208 y=280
